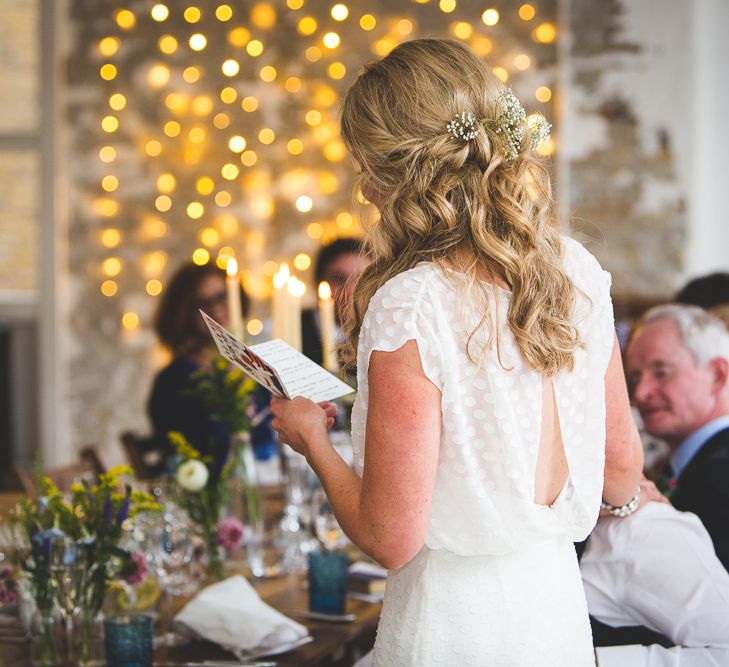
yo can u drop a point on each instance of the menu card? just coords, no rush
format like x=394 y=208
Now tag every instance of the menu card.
x=284 y=371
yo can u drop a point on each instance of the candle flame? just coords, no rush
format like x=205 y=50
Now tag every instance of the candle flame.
x=231 y=267
x=296 y=287
x=325 y=292
x=281 y=277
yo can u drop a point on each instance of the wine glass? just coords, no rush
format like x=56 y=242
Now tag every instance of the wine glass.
x=326 y=527
x=67 y=575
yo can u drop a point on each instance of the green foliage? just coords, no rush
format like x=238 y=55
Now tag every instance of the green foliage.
x=225 y=392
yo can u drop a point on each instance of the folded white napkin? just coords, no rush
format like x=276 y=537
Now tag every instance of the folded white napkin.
x=231 y=614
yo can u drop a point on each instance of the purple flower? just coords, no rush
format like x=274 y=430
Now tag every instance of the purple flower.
x=107 y=510
x=230 y=533
x=123 y=512
x=138 y=568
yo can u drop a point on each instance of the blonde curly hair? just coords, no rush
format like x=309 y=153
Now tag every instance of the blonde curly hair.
x=459 y=204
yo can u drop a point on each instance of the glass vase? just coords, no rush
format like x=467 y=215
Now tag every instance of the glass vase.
x=87 y=649
x=45 y=639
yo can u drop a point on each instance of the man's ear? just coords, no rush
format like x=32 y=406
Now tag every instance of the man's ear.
x=720 y=369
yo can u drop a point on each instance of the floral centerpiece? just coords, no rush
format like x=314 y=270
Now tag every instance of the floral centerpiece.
x=75 y=550
x=225 y=392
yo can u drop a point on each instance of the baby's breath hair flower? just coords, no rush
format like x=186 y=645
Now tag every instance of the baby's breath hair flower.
x=464 y=126
x=510 y=125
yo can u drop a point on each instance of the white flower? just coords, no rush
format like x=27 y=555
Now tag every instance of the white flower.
x=192 y=475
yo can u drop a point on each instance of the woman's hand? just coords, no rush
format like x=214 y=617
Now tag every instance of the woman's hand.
x=300 y=422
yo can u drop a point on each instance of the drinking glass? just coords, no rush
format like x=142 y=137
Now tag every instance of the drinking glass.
x=128 y=641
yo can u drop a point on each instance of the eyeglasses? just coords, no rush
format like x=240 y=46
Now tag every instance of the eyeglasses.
x=211 y=302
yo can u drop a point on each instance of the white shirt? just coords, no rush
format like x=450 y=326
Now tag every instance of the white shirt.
x=658 y=568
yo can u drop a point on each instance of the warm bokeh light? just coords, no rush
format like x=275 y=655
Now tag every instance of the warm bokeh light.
x=198 y=42
x=107 y=207
x=223 y=198
x=335 y=150
x=304 y=203
x=191 y=74
x=202 y=105
x=195 y=210
x=295 y=146
x=254 y=48
x=192 y=14
x=108 y=46
x=109 y=288
x=172 y=128
x=268 y=73
x=109 y=183
x=166 y=183
x=313 y=117
x=159 y=12
x=269 y=268
x=221 y=120
x=228 y=95
x=526 y=12
x=107 y=154
x=249 y=104
x=130 y=320
x=344 y=220
x=224 y=13
x=263 y=16
x=367 y=22
x=490 y=17
x=230 y=67
x=294 y=4
x=153 y=287
x=404 y=27
x=167 y=44
x=307 y=25
x=205 y=185
x=543 y=94
x=239 y=36
x=313 y=54
x=447 y=6
x=117 y=101
x=107 y=72
x=293 y=84
x=209 y=236
x=163 y=203
x=266 y=136
x=547 y=148
x=249 y=158
x=545 y=33
x=522 y=61
x=152 y=148
x=125 y=19
x=336 y=71
x=229 y=171
x=501 y=73
x=153 y=263
x=158 y=76
x=461 y=29
x=254 y=327
x=154 y=227
x=110 y=124
x=314 y=230
x=302 y=261
x=331 y=40
x=110 y=237
x=237 y=143
x=200 y=256
x=111 y=266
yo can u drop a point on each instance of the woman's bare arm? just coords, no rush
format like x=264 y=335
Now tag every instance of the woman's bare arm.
x=623 y=449
x=386 y=512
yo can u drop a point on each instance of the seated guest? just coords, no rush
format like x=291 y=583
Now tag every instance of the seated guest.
x=340 y=264
x=678 y=370
x=172 y=405
x=653 y=578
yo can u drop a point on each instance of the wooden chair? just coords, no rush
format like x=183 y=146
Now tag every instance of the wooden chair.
x=88 y=466
x=143 y=455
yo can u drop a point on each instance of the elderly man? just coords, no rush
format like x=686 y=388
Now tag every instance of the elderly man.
x=678 y=371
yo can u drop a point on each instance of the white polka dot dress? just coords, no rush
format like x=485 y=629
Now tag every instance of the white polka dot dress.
x=497 y=581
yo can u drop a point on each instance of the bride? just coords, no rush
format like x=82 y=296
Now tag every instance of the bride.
x=492 y=412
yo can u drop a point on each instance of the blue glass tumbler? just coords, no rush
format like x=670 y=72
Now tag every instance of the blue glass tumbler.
x=128 y=641
x=327 y=581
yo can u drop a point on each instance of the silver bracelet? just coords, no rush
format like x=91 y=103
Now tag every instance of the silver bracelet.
x=622 y=510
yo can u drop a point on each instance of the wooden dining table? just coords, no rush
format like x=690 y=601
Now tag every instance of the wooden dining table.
x=334 y=644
